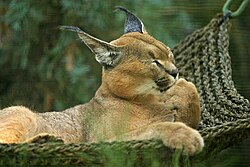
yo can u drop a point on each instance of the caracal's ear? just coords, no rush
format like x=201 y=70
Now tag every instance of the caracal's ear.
x=105 y=53
x=132 y=23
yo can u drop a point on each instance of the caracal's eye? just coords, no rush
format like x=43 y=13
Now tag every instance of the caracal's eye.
x=157 y=63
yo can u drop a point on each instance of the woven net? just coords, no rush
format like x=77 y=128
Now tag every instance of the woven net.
x=203 y=59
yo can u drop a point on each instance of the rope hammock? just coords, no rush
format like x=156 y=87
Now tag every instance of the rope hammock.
x=203 y=59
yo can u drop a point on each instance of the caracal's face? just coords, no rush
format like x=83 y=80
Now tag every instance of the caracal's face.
x=146 y=67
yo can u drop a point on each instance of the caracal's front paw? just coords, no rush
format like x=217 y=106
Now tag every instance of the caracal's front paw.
x=44 y=138
x=180 y=136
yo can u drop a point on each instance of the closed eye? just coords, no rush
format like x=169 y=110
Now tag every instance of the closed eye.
x=158 y=63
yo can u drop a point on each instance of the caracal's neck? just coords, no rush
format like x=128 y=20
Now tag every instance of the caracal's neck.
x=104 y=93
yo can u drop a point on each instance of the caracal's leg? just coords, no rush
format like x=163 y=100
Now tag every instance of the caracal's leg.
x=173 y=134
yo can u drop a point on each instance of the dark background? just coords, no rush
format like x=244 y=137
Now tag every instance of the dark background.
x=47 y=69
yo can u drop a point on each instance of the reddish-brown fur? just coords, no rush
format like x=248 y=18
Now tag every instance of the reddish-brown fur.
x=127 y=106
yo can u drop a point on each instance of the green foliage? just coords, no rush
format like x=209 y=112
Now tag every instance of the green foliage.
x=52 y=63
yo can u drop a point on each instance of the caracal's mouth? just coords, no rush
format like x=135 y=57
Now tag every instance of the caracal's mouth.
x=163 y=84
x=156 y=87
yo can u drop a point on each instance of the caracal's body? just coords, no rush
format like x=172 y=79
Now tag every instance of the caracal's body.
x=140 y=98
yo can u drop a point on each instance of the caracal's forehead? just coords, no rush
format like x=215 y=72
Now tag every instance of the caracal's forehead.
x=146 y=43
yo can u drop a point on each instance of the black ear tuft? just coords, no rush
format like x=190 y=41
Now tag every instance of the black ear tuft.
x=132 y=23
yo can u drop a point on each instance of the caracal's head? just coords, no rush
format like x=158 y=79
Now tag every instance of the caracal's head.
x=136 y=64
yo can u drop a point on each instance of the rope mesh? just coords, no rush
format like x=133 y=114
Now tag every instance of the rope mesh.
x=203 y=58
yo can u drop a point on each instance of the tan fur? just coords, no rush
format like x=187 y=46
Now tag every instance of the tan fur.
x=184 y=103
x=128 y=105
